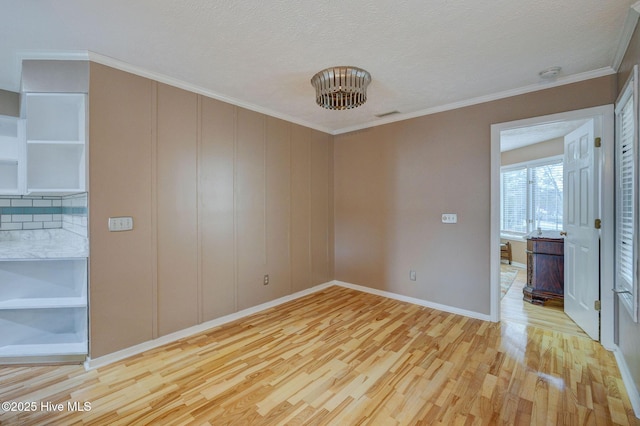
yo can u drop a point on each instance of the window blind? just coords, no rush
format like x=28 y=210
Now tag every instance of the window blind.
x=532 y=197
x=626 y=152
x=626 y=209
x=546 y=200
x=514 y=201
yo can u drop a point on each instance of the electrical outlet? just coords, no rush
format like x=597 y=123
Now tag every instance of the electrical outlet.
x=121 y=223
x=449 y=218
x=412 y=275
x=266 y=279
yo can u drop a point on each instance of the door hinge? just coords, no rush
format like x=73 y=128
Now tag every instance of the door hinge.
x=596 y=305
x=598 y=224
x=598 y=142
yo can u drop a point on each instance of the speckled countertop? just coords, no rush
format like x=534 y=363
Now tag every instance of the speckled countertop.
x=42 y=244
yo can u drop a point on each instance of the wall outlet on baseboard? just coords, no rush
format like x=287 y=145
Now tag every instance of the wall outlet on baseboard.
x=412 y=275
x=266 y=280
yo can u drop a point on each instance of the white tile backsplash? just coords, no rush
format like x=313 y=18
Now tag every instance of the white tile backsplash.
x=48 y=212
x=74 y=214
x=11 y=226
x=20 y=202
x=32 y=225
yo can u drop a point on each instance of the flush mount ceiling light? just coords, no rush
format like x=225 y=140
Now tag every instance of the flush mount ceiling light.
x=343 y=87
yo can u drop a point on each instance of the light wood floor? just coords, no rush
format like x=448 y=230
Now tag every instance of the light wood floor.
x=515 y=310
x=341 y=357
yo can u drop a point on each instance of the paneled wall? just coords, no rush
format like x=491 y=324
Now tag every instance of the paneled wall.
x=220 y=196
x=176 y=208
x=122 y=264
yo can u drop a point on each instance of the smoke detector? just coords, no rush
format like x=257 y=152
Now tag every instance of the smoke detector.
x=549 y=73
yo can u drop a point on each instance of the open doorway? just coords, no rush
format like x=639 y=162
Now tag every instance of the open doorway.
x=527 y=132
x=532 y=217
x=532 y=204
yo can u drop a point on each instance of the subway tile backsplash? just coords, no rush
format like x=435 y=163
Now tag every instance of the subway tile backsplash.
x=47 y=212
x=74 y=213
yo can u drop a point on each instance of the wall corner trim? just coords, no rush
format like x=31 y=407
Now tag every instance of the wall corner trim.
x=415 y=301
x=629 y=384
x=628 y=28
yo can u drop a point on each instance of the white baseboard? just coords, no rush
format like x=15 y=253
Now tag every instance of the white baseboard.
x=416 y=301
x=91 y=364
x=629 y=384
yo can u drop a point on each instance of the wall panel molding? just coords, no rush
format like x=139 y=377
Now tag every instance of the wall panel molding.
x=231 y=195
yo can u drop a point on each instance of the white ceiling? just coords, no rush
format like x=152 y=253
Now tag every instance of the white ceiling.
x=424 y=56
x=523 y=136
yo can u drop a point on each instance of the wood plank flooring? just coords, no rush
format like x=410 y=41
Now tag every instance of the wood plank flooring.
x=515 y=310
x=339 y=357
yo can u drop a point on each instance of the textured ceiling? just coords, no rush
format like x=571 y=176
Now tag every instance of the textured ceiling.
x=523 y=136
x=423 y=56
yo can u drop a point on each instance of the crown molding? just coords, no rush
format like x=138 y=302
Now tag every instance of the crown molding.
x=59 y=55
x=133 y=69
x=482 y=99
x=142 y=72
x=629 y=26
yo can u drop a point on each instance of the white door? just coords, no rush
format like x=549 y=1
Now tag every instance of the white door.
x=581 y=244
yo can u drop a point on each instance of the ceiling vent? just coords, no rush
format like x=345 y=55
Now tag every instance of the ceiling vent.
x=384 y=114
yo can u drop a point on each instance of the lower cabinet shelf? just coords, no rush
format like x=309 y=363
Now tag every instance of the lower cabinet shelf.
x=44 y=303
x=43 y=332
x=44 y=350
x=43 y=310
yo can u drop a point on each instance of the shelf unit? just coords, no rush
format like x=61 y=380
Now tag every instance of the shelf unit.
x=56 y=148
x=12 y=155
x=43 y=308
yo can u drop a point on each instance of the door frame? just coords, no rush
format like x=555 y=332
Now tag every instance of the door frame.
x=607 y=210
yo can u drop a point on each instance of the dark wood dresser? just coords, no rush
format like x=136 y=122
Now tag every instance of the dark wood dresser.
x=545 y=270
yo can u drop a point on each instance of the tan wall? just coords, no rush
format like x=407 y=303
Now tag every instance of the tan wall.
x=121 y=264
x=393 y=182
x=220 y=196
x=536 y=151
x=629 y=331
x=518 y=250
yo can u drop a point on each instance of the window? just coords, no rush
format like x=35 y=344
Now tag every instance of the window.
x=531 y=197
x=626 y=151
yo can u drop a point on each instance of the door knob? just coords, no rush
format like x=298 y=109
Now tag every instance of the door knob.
x=563 y=233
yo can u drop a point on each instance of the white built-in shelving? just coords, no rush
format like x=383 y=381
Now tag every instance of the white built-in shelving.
x=56 y=135
x=12 y=155
x=43 y=273
x=43 y=308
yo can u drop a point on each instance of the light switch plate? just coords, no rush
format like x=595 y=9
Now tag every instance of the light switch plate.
x=122 y=223
x=449 y=218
